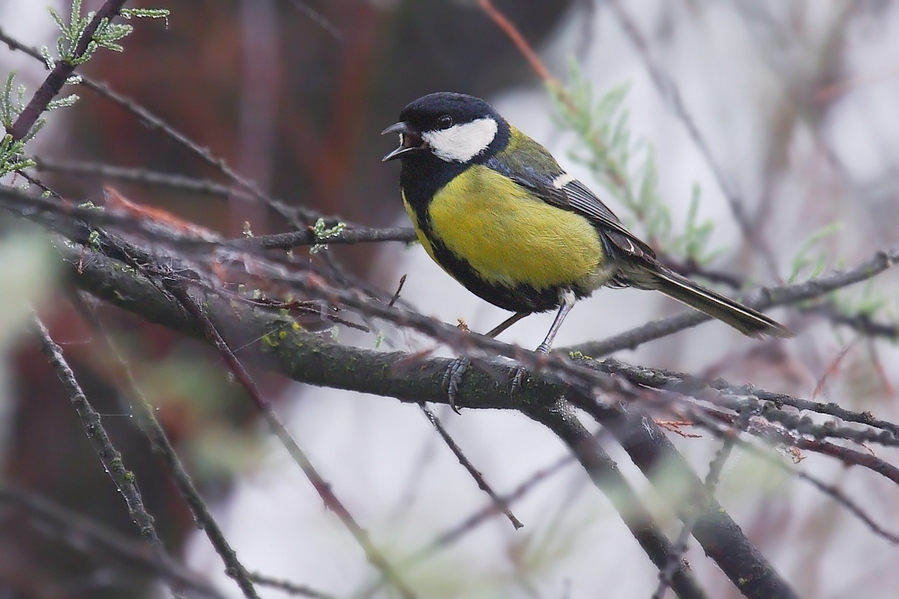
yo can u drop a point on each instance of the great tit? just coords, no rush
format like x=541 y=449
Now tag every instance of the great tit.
x=496 y=211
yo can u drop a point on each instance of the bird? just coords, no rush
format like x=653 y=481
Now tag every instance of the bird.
x=494 y=209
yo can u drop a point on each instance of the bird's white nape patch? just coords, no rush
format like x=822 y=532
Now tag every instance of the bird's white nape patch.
x=562 y=180
x=461 y=143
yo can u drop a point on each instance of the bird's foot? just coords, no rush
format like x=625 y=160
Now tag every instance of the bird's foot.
x=517 y=379
x=452 y=378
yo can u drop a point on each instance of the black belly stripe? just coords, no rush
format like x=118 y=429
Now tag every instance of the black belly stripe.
x=520 y=298
x=421 y=177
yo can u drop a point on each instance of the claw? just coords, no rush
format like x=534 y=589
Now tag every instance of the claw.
x=516 y=381
x=452 y=378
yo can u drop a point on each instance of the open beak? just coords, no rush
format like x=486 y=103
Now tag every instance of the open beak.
x=410 y=140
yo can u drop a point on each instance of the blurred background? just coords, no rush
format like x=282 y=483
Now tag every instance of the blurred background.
x=794 y=102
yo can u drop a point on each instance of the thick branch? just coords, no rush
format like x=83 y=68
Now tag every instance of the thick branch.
x=268 y=339
x=720 y=537
x=604 y=473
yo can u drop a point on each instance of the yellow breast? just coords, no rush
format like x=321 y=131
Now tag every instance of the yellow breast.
x=510 y=238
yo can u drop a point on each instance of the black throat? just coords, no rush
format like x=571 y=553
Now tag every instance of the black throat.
x=423 y=174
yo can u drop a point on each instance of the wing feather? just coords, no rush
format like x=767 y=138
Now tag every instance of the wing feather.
x=575 y=196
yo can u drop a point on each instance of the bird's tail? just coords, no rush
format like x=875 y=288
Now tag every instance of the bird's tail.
x=746 y=320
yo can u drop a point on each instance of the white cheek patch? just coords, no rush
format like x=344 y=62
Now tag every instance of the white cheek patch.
x=461 y=143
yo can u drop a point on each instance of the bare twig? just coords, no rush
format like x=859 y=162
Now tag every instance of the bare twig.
x=669 y=91
x=864 y=324
x=52 y=85
x=760 y=300
x=605 y=475
x=523 y=46
x=466 y=463
x=710 y=483
x=150 y=426
x=107 y=453
x=286 y=241
x=137 y=175
x=175 y=288
x=290 y=588
x=296 y=215
x=783 y=427
x=827 y=489
x=317 y=18
x=87 y=536
x=719 y=535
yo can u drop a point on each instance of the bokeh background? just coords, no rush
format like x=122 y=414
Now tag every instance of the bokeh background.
x=796 y=102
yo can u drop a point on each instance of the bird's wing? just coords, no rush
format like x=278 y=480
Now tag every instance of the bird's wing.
x=555 y=186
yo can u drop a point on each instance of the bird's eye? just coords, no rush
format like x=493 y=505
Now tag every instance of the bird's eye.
x=445 y=122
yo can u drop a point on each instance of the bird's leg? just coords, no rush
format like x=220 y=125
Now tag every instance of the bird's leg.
x=566 y=303
x=453 y=376
x=506 y=324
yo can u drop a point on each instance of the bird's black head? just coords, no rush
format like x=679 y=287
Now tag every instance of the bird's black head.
x=455 y=128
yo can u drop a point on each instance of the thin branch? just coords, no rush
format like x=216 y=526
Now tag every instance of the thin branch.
x=286 y=241
x=669 y=92
x=835 y=493
x=153 y=122
x=61 y=72
x=689 y=385
x=88 y=536
x=862 y=323
x=720 y=537
x=711 y=482
x=290 y=588
x=760 y=299
x=159 y=440
x=283 y=241
x=296 y=215
x=137 y=175
x=515 y=36
x=456 y=532
x=109 y=456
x=317 y=18
x=791 y=430
x=604 y=473
x=177 y=290
x=469 y=467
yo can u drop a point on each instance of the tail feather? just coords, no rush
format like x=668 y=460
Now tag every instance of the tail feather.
x=746 y=320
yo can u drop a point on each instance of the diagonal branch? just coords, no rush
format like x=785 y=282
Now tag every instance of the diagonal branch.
x=721 y=538
x=315 y=360
x=52 y=85
x=669 y=92
x=604 y=473
x=760 y=300
x=157 y=436
x=107 y=453
x=178 y=291
x=88 y=536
